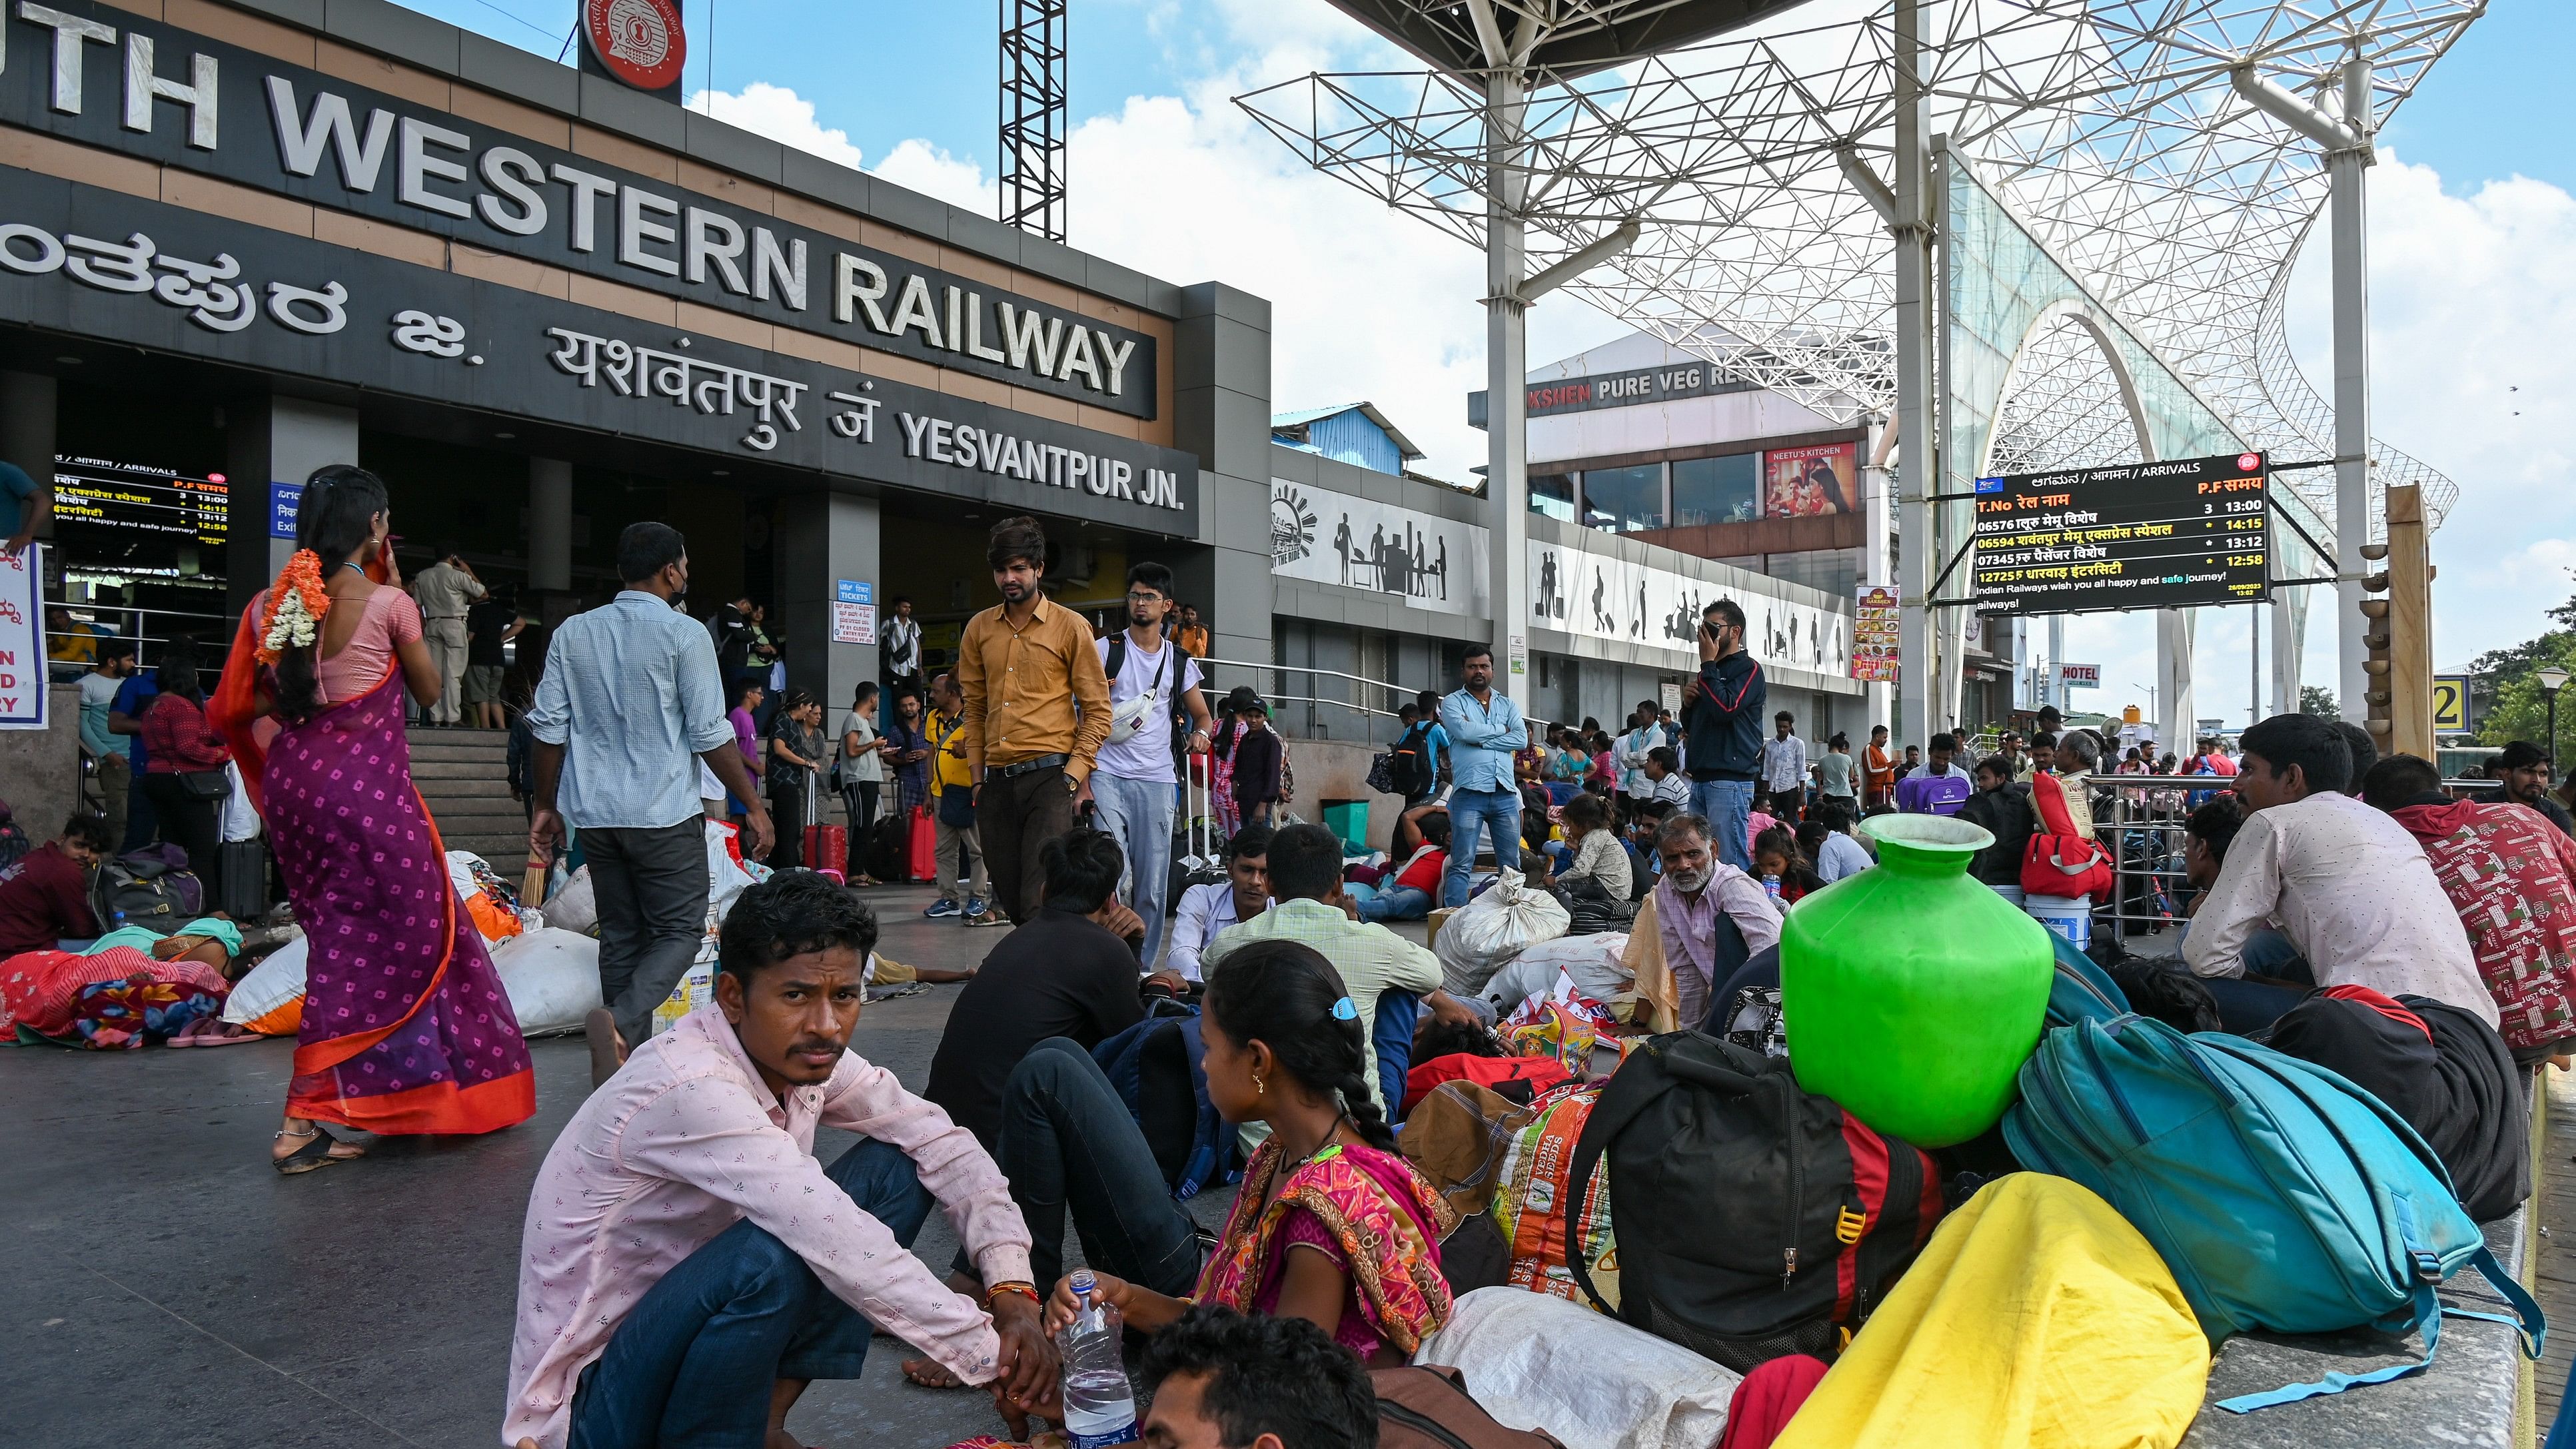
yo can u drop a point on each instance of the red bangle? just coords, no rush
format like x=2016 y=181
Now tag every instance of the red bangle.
x=1025 y=1290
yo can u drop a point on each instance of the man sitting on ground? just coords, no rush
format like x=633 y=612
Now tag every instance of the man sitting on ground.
x=2512 y=877
x=1219 y=1379
x=1409 y=895
x=688 y=1266
x=2349 y=888
x=1712 y=917
x=1839 y=855
x=44 y=898
x=2002 y=808
x=1666 y=785
x=1306 y=878
x=1206 y=910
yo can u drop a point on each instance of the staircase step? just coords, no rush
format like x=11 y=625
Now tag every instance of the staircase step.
x=435 y=775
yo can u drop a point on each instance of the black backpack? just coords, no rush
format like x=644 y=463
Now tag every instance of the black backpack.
x=1755 y=1219
x=1409 y=768
x=889 y=847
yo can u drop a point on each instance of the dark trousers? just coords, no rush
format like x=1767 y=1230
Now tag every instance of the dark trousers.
x=142 y=822
x=691 y=1365
x=1068 y=1143
x=651 y=888
x=195 y=826
x=787 y=815
x=860 y=800
x=1397 y=1011
x=1014 y=818
x=1789 y=806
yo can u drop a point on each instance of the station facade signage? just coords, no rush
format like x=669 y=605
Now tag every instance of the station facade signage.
x=106 y=77
x=95 y=263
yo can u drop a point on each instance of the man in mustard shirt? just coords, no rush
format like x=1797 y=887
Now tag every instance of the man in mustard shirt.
x=1037 y=712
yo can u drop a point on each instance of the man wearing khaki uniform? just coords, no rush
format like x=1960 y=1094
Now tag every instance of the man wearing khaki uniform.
x=445 y=590
x=1037 y=712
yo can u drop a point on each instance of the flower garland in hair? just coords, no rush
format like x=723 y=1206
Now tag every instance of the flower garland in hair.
x=296 y=605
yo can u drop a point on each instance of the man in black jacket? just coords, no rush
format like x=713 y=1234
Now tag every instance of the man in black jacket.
x=1723 y=719
x=2002 y=806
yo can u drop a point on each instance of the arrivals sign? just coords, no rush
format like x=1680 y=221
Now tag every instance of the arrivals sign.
x=2138 y=536
x=137 y=498
x=97 y=263
x=106 y=77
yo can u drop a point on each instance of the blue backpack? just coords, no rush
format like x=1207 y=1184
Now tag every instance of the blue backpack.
x=2082 y=990
x=1157 y=1068
x=2282 y=1197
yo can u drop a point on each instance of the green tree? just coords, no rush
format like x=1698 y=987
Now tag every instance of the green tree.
x=2521 y=707
x=2318 y=701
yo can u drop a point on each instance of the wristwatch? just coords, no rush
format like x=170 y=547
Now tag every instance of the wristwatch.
x=1072 y=786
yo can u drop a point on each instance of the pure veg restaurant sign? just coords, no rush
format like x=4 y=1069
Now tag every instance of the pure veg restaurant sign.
x=106 y=77
x=94 y=263
x=2140 y=536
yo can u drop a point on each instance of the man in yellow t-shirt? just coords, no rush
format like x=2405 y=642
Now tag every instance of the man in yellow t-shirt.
x=952 y=798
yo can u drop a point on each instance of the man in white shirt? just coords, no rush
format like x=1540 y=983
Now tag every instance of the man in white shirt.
x=2347 y=885
x=113 y=752
x=1784 y=769
x=902 y=651
x=1628 y=752
x=1207 y=909
x=1133 y=787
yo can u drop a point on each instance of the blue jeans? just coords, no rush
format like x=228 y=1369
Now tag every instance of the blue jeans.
x=692 y=1365
x=1139 y=814
x=1394 y=903
x=1397 y=1012
x=1497 y=811
x=2246 y=1007
x=1728 y=807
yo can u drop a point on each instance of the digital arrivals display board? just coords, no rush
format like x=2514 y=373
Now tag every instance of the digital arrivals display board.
x=2169 y=535
x=136 y=498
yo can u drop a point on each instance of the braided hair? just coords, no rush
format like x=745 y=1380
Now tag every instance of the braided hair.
x=1286 y=995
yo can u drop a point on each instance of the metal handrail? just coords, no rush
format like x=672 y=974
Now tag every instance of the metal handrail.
x=1388 y=686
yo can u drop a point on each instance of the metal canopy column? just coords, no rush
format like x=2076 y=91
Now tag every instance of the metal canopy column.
x=1506 y=351
x=1918 y=476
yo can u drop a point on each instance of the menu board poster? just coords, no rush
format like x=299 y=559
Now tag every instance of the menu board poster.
x=1807 y=482
x=1875 y=634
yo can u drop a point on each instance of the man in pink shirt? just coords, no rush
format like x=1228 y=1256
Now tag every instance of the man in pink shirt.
x=1713 y=917
x=681 y=1222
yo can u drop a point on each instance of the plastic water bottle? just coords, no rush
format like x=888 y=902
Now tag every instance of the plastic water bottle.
x=1771 y=883
x=1099 y=1406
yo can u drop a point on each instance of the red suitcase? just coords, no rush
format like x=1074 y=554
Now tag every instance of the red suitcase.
x=827 y=847
x=925 y=846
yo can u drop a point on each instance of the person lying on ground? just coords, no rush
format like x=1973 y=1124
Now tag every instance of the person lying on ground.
x=1206 y=910
x=687 y=1264
x=1331 y=1224
x=1599 y=867
x=1409 y=894
x=2349 y=889
x=45 y=993
x=1306 y=879
x=1219 y=1379
x=2510 y=872
x=1776 y=855
x=44 y=898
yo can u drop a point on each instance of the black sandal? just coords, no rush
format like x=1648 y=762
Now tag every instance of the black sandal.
x=314 y=1153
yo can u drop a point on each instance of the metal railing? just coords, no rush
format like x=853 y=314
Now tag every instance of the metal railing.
x=150 y=628
x=1273 y=697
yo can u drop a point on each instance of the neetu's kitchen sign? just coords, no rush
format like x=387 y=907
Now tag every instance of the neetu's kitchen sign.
x=106 y=77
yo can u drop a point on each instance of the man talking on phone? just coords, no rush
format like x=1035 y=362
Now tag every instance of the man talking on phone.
x=1722 y=719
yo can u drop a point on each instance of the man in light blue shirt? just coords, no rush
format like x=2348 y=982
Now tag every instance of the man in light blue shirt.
x=1484 y=729
x=628 y=696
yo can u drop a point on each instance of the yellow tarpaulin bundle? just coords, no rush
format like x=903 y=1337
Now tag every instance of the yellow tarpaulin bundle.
x=2036 y=1316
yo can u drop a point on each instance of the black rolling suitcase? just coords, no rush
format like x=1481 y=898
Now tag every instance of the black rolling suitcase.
x=245 y=871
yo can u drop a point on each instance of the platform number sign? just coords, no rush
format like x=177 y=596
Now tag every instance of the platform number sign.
x=2451 y=702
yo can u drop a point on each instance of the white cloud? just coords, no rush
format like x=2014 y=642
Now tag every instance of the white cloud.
x=779 y=114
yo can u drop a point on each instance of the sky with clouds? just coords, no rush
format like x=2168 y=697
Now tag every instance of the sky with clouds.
x=2473 y=237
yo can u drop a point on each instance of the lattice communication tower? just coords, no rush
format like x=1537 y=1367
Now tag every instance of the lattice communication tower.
x=1033 y=116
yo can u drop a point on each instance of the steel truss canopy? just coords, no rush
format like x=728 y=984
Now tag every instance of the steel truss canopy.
x=1758 y=165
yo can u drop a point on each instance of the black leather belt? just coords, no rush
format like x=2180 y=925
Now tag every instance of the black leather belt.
x=1025 y=767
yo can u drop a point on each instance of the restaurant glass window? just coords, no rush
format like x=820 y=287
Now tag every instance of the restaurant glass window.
x=1624 y=500
x=1552 y=494
x=1717 y=490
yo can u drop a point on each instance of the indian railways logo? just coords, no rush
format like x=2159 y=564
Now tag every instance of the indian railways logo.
x=1292 y=527
x=2248 y=462
x=640 y=41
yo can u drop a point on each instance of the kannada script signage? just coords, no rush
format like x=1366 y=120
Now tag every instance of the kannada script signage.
x=107 y=77
x=2138 y=536
x=97 y=263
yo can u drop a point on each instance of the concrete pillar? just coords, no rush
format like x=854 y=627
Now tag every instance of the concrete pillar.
x=826 y=541
x=27 y=429
x=270 y=441
x=1221 y=412
x=2175 y=722
x=1506 y=389
x=1877 y=561
x=549 y=524
x=2289 y=639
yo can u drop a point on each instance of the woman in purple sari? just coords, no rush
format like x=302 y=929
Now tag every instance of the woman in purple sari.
x=406 y=1029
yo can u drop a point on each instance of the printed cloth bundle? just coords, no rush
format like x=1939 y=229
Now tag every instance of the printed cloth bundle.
x=1530 y=1193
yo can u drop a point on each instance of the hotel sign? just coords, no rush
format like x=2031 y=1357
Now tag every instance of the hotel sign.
x=106 y=77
